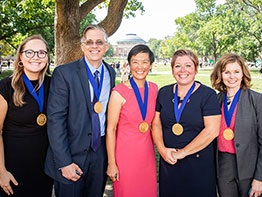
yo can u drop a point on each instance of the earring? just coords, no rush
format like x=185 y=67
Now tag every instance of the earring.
x=20 y=64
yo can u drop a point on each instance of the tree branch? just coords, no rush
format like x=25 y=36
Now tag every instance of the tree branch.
x=114 y=17
x=250 y=4
x=87 y=7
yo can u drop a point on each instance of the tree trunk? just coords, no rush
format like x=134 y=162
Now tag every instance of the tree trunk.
x=68 y=16
x=67 y=25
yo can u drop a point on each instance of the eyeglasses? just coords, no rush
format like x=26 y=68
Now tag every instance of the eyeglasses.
x=30 y=53
x=91 y=42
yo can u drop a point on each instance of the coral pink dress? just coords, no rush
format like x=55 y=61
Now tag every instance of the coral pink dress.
x=135 y=156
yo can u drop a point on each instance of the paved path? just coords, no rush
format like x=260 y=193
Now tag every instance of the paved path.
x=108 y=191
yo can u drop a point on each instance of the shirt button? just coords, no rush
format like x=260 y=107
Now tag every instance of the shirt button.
x=197 y=155
x=237 y=145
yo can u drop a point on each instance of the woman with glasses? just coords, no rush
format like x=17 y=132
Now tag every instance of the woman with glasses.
x=23 y=139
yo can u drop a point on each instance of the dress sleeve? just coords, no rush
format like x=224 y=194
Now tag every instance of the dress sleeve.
x=121 y=89
x=5 y=88
x=161 y=97
x=211 y=104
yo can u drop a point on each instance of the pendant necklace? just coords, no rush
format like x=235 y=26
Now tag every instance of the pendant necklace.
x=229 y=99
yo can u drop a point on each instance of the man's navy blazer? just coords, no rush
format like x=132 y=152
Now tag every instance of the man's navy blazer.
x=69 y=117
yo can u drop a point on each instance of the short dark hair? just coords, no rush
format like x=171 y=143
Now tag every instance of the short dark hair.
x=141 y=48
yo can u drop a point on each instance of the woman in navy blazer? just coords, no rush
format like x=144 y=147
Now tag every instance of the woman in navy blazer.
x=239 y=164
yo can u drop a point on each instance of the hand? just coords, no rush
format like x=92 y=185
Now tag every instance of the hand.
x=72 y=172
x=112 y=172
x=5 y=178
x=168 y=155
x=179 y=154
x=256 y=189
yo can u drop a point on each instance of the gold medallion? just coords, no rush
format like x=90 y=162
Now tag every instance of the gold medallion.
x=143 y=127
x=41 y=119
x=98 y=107
x=228 y=134
x=177 y=129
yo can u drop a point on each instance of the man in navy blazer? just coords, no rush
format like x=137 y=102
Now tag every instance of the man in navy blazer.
x=78 y=168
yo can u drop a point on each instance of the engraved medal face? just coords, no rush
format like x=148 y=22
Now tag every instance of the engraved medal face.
x=41 y=119
x=177 y=129
x=228 y=134
x=143 y=127
x=98 y=107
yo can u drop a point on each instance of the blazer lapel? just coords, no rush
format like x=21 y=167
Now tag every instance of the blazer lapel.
x=111 y=73
x=242 y=111
x=85 y=83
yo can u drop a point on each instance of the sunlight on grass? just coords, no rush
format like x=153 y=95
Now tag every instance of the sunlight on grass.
x=162 y=76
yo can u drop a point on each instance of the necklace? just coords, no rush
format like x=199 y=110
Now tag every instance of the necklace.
x=229 y=98
x=180 y=100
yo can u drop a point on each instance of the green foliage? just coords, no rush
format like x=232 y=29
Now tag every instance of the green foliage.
x=24 y=17
x=133 y=6
x=155 y=45
x=21 y=19
x=110 y=51
x=213 y=30
x=130 y=10
x=206 y=8
x=168 y=48
x=249 y=23
x=6 y=73
x=89 y=19
x=5 y=49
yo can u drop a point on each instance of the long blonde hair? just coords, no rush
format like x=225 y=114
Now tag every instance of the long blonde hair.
x=17 y=80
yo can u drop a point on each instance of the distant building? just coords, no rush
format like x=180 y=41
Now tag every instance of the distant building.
x=126 y=43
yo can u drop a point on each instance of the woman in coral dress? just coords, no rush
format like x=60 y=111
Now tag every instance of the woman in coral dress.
x=131 y=156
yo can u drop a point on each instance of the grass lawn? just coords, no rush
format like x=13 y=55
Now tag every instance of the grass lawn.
x=163 y=76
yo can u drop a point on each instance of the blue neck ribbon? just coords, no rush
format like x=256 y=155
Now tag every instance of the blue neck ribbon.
x=178 y=111
x=142 y=106
x=229 y=112
x=97 y=90
x=38 y=97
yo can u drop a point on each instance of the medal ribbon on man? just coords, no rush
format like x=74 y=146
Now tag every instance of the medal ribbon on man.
x=97 y=90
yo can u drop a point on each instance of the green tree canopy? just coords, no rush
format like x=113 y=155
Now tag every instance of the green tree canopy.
x=60 y=21
x=213 y=30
